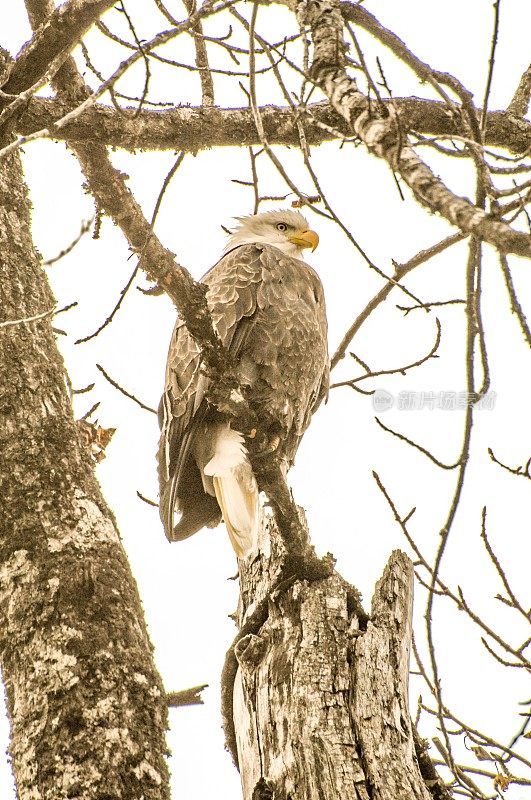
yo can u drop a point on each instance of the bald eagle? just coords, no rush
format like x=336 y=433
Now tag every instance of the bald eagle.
x=267 y=307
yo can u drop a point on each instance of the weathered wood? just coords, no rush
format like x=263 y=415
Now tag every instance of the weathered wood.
x=320 y=697
x=380 y=678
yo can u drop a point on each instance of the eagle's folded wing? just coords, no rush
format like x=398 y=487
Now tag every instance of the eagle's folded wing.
x=268 y=310
x=231 y=296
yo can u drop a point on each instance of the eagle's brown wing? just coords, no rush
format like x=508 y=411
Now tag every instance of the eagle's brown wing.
x=268 y=310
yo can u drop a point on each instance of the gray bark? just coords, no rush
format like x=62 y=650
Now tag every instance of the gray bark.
x=320 y=703
x=193 y=129
x=87 y=708
x=52 y=43
x=383 y=135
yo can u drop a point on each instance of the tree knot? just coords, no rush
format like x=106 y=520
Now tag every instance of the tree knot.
x=249 y=651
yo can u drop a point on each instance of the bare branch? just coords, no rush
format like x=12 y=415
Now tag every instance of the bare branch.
x=197 y=128
x=400 y=271
x=499 y=569
x=85 y=227
x=383 y=135
x=523 y=471
x=124 y=391
x=476 y=736
x=90 y=98
x=140 y=48
x=8 y=323
x=491 y=64
x=432 y=304
x=186 y=697
x=133 y=275
x=520 y=102
x=397 y=370
x=53 y=40
x=524 y=662
x=107 y=321
x=417 y=447
x=146 y=500
x=516 y=308
x=201 y=58
x=353 y=12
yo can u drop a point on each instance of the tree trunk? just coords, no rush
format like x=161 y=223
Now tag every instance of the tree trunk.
x=87 y=708
x=321 y=693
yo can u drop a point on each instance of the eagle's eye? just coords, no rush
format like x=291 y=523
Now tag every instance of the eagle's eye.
x=282 y=227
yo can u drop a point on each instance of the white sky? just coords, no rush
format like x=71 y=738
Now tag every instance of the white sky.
x=184 y=587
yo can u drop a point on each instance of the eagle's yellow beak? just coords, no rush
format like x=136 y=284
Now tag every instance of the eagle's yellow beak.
x=304 y=239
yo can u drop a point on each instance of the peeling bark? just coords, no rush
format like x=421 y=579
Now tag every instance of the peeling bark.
x=320 y=698
x=87 y=708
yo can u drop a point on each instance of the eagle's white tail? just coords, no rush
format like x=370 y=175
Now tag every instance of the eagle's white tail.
x=235 y=487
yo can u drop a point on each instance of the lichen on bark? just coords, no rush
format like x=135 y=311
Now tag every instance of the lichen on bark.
x=87 y=708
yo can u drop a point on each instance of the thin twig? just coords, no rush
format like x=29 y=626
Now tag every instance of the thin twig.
x=430 y=305
x=516 y=308
x=146 y=499
x=201 y=58
x=90 y=411
x=85 y=389
x=483 y=120
x=124 y=391
x=123 y=292
x=186 y=697
x=418 y=447
x=499 y=569
x=107 y=321
x=10 y=322
x=397 y=370
x=85 y=227
x=400 y=271
x=523 y=472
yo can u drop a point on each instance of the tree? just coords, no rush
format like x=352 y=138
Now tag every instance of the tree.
x=315 y=695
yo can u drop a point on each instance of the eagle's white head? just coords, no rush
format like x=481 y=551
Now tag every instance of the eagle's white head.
x=288 y=230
